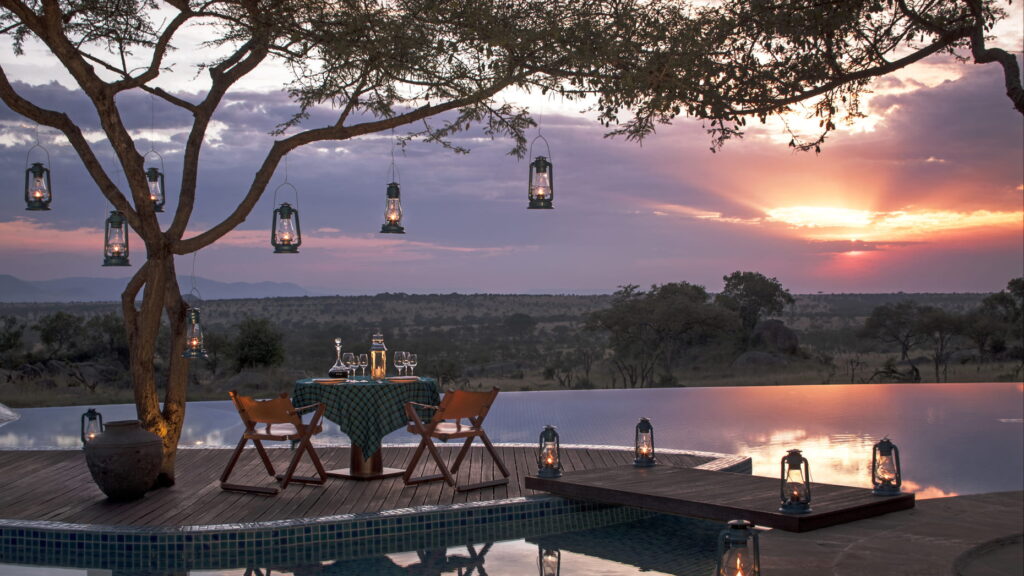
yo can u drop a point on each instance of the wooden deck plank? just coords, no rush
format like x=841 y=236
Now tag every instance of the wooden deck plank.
x=718 y=495
x=57 y=486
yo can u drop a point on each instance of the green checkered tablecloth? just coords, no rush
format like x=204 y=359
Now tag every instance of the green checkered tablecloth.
x=365 y=410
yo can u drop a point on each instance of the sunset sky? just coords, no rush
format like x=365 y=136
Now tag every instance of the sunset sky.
x=924 y=195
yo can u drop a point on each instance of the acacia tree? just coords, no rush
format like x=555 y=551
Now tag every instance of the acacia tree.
x=384 y=64
x=752 y=296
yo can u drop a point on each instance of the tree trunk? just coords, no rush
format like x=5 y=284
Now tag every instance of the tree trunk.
x=156 y=279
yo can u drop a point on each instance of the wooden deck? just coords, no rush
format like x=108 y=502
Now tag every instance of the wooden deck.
x=715 y=495
x=56 y=486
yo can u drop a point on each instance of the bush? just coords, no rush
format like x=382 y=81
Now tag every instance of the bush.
x=258 y=343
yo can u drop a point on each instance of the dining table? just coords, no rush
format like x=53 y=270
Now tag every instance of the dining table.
x=366 y=410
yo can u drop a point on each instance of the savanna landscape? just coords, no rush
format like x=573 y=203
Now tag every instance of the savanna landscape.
x=754 y=333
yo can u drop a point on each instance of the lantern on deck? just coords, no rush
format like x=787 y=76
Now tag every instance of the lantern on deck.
x=378 y=357
x=37 y=187
x=155 y=179
x=194 y=337
x=886 y=474
x=549 y=561
x=92 y=425
x=285 y=233
x=795 y=487
x=393 y=211
x=738 y=553
x=115 y=240
x=548 y=463
x=644 y=444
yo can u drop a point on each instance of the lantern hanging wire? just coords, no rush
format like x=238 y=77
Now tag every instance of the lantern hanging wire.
x=38 y=192
x=154 y=177
x=286 y=233
x=194 y=342
x=393 y=204
x=541 y=190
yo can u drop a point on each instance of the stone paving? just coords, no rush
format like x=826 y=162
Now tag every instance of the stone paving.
x=978 y=535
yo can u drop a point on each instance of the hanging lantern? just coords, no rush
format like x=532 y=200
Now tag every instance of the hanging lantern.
x=393 y=212
x=542 y=179
x=886 y=474
x=285 y=234
x=795 y=488
x=92 y=425
x=549 y=561
x=37 y=187
x=155 y=178
x=194 y=337
x=378 y=357
x=548 y=463
x=115 y=244
x=644 y=445
x=738 y=553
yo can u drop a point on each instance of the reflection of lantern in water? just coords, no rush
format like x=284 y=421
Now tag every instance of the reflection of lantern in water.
x=549 y=561
x=644 y=444
x=886 y=474
x=548 y=463
x=738 y=553
x=92 y=425
x=795 y=491
x=115 y=240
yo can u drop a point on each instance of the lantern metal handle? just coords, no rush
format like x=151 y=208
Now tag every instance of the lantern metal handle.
x=157 y=154
x=295 y=191
x=546 y=145
x=28 y=156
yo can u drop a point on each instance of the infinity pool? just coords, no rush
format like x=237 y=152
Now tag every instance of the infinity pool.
x=953 y=439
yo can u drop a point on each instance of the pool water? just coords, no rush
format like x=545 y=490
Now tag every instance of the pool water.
x=953 y=438
x=660 y=545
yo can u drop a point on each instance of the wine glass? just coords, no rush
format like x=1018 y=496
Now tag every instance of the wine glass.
x=410 y=360
x=399 y=361
x=363 y=362
x=349 y=359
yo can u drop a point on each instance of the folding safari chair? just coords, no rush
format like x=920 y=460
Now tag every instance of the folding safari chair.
x=447 y=423
x=282 y=423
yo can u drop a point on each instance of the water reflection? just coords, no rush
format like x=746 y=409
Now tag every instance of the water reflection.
x=953 y=438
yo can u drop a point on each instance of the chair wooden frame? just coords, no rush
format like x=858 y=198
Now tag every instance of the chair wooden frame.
x=446 y=424
x=277 y=411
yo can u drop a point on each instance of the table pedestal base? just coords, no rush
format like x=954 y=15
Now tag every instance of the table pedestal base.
x=365 y=469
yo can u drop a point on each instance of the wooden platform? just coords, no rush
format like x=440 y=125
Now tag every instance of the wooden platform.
x=56 y=486
x=717 y=495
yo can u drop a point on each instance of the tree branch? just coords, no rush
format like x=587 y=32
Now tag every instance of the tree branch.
x=983 y=55
x=282 y=147
x=61 y=122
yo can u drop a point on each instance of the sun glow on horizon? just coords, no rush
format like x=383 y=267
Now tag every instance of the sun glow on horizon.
x=824 y=223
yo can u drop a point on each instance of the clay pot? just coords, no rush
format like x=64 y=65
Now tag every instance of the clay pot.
x=124 y=460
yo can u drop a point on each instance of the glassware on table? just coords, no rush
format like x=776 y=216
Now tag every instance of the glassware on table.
x=349 y=360
x=338 y=369
x=410 y=361
x=399 y=361
x=363 y=362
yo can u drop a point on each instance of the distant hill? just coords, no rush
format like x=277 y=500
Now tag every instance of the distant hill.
x=14 y=289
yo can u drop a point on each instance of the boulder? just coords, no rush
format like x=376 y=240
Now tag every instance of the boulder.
x=757 y=359
x=774 y=336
